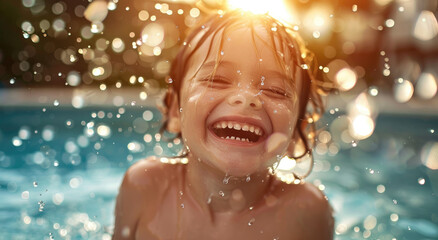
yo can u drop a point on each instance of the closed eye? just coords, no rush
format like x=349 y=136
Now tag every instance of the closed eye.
x=217 y=82
x=276 y=92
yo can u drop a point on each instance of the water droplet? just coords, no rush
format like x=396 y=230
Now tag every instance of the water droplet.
x=51 y=236
x=181 y=193
x=226 y=179
x=248 y=178
x=251 y=208
x=221 y=193
x=41 y=206
x=170 y=80
x=304 y=66
x=12 y=81
x=432 y=130
x=182 y=205
x=222 y=53
x=394 y=201
x=421 y=181
x=251 y=222
x=35 y=184
x=180 y=109
x=354 y=8
x=373 y=91
x=56 y=103
x=353 y=143
x=16 y=141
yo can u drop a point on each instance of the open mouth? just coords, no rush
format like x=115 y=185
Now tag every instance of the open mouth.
x=244 y=132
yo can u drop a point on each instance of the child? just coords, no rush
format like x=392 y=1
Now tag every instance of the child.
x=238 y=95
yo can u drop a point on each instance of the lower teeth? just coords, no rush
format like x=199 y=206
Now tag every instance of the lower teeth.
x=236 y=138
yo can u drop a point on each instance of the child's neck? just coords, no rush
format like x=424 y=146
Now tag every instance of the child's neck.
x=216 y=192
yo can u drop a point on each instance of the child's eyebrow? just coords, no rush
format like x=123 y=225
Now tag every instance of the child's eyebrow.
x=220 y=63
x=274 y=73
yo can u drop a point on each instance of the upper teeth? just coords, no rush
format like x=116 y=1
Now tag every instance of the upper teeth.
x=239 y=126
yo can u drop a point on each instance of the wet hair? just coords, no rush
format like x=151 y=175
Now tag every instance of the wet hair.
x=289 y=50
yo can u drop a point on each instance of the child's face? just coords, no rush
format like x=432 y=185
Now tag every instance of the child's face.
x=249 y=93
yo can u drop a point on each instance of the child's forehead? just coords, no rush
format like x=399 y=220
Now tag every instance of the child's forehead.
x=251 y=41
x=239 y=46
x=242 y=42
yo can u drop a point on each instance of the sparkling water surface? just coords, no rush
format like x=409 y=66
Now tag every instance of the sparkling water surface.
x=60 y=170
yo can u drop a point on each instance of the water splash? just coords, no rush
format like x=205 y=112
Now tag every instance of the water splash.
x=41 y=206
x=226 y=179
x=248 y=178
x=251 y=222
x=353 y=143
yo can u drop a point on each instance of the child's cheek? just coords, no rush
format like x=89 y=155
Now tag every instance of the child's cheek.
x=195 y=97
x=280 y=108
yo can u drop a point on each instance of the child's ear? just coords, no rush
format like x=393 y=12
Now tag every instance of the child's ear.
x=173 y=113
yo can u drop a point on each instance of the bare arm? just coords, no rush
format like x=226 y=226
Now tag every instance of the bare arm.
x=134 y=198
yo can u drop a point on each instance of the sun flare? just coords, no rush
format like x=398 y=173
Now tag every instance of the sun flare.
x=275 y=8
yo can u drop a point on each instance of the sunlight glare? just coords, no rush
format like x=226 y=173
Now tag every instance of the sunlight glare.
x=361 y=127
x=346 y=79
x=275 y=8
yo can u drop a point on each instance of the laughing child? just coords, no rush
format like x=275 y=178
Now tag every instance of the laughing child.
x=240 y=92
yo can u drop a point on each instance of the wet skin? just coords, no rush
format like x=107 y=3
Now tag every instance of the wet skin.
x=225 y=190
x=151 y=206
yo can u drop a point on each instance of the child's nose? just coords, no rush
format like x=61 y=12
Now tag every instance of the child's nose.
x=245 y=99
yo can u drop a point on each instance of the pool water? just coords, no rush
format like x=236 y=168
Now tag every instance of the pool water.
x=60 y=169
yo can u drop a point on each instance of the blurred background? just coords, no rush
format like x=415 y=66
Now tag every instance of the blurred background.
x=80 y=82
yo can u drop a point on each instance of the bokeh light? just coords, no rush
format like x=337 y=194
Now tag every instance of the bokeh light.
x=426 y=27
x=346 y=79
x=403 y=90
x=96 y=11
x=429 y=155
x=104 y=131
x=152 y=34
x=362 y=126
x=426 y=86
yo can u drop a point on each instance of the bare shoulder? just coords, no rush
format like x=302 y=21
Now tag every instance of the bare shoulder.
x=303 y=192
x=149 y=173
x=142 y=188
x=309 y=208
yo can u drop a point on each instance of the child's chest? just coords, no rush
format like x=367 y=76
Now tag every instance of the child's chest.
x=177 y=218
